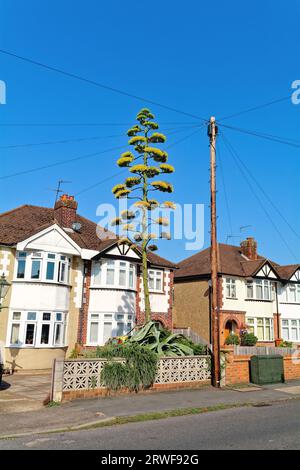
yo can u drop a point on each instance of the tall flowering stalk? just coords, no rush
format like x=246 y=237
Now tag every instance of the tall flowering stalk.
x=145 y=163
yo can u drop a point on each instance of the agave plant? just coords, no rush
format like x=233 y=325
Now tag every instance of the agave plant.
x=160 y=341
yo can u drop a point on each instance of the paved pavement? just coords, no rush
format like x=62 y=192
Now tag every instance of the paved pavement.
x=266 y=427
x=21 y=392
x=83 y=411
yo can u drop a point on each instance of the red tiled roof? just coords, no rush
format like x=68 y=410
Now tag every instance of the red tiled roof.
x=231 y=261
x=21 y=223
x=287 y=271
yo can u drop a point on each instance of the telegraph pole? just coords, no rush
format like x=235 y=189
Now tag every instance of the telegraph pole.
x=212 y=133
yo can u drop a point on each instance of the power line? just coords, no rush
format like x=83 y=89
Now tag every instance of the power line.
x=225 y=190
x=262 y=135
x=237 y=161
x=85 y=139
x=51 y=165
x=88 y=188
x=91 y=124
x=249 y=110
x=98 y=84
x=63 y=162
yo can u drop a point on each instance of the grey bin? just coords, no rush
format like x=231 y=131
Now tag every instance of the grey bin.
x=266 y=369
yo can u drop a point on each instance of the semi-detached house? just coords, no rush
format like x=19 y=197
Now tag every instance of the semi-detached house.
x=253 y=292
x=71 y=282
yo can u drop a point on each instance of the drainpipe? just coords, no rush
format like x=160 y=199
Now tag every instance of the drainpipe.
x=277 y=311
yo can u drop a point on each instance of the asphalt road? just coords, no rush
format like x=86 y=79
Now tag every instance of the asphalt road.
x=268 y=427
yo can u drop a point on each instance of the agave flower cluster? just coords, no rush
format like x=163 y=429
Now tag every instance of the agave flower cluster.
x=146 y=163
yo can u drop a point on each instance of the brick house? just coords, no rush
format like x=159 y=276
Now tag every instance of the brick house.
x=253 y=293
x=71 y=282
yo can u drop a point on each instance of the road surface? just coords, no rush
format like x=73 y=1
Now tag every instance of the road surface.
x=266 y=427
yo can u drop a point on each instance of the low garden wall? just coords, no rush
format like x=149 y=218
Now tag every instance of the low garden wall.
x=77 y=378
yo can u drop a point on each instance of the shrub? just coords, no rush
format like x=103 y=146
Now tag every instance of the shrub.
x=285 y=344
x=232 y=339
x=138 y=371
x=198 y=349
x=248 y=339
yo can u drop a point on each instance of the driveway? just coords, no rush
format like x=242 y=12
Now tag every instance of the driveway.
x=23 y=392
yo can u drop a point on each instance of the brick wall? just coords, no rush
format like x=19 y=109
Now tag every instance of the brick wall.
x=238 y=369
x=83 y=317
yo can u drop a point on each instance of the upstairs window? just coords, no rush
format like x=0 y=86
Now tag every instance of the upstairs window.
x=42 y=266
x=293 y=293
x=114 y=274
x=260 y=289
x=21 y=265
x=155 y=278
x=230 y=288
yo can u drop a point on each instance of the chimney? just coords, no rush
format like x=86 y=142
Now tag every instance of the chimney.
x=65 y=211
x=249 y=248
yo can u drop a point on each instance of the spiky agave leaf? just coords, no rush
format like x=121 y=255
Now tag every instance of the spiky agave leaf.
x=166 y=168
x=132 y=181
x=157 y=138
x=163 y=186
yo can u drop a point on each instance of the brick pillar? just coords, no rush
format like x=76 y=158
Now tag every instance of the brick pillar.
x=277 y=326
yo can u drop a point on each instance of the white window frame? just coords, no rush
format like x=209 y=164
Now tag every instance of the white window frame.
x=230 y=288
x=57 y=258
x=252 y=321
x=156 y=274
x=291 y=287
x=108 y=317
x=38 y=322
x=263 y=284
x=290 y=327
x=99 y=273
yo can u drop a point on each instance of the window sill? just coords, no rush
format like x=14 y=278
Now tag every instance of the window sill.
x=259 y=300
x=232 y=298
x=290 y=303
x=130 y=289
x=22 y=346
x=38 y=281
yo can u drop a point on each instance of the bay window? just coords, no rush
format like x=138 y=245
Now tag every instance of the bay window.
x=230 y=288
x=36 y=329
x=114 y=274
x=42 y=266
x=103 y=326
x=155 y=278
x=262 y=327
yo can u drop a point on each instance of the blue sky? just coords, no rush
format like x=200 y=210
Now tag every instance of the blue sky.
x=205 y=58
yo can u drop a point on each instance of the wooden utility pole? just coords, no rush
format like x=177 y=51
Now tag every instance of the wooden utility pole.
x=212 y=133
